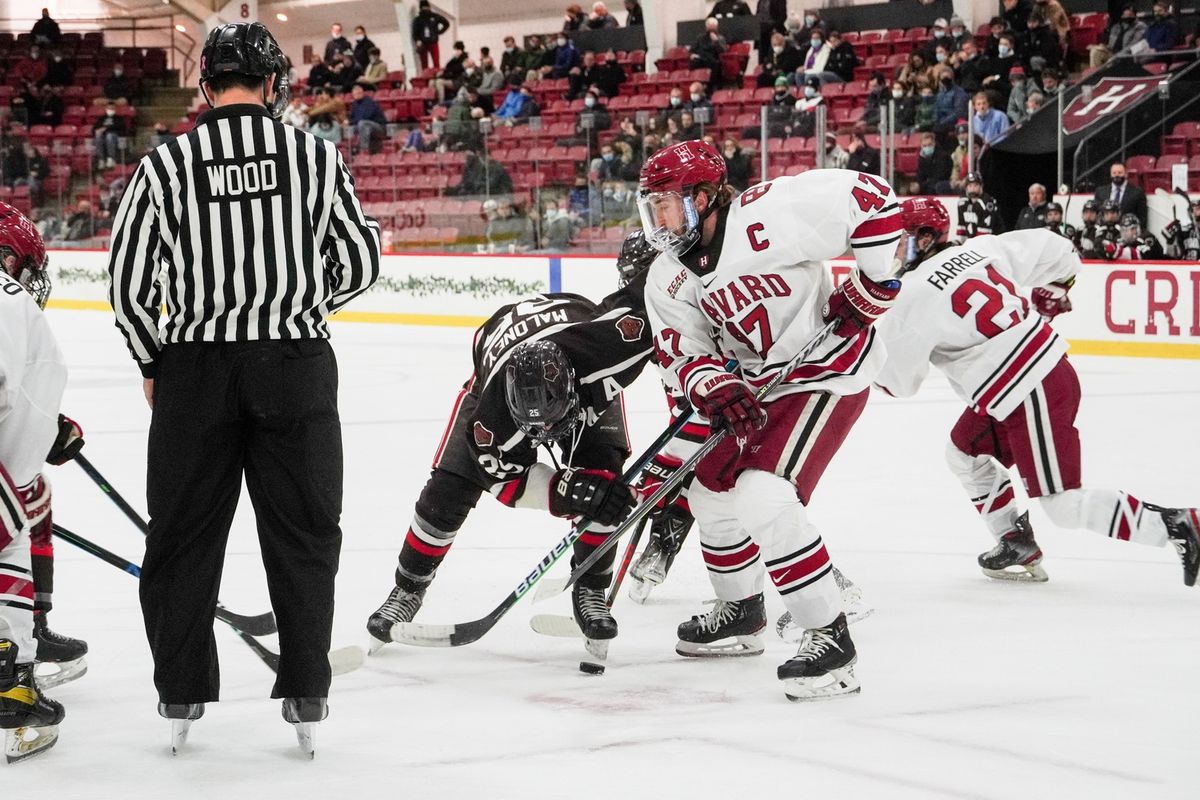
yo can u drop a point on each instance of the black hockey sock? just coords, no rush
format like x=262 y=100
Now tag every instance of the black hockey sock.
x=43 y=582
x=600 y=575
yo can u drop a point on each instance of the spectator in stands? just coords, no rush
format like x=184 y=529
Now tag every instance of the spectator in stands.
x=1018 y=95
x=958 y=33
x=835 y=156
x=604 y=166
x=45 y=31
x=926 y=110
x=508 y=229
x=533 y=58
x=629 y=135
x=689 y=128
x=518 y=106
x=705 y=52
x=59 y=71
x=783 y=59
x=1016 y=13
x=594 y=109
x=574 y=18
x=650 y=145
x=565 y=58
x=723 y=9
x=938 y=33
x=905 y=102
x=611 y=75
x=842 y=59
x=942 y=53
x=427 y=27
x=1033 y=103
x=916 y=69
x=771 y=16
x=583 y=77
x=1123 y=34
x=675 y=104
x=319 y=73
x=362 y=47
x=512 y=62
x=600 y=19
x=81 y=224
x=579 y=200
x=933 y=166
x=879 y=94
x=462 y=126
x=990 y=123
x=1163 y=33
x=1043 y=49
x=960 y=166
x=162 y=134
x=998 y=28
x=996 y=70
x=814 y=55
x=367 y=118
x=454 y=74
x=376 y=70
x=118 y=87
x=629 y=165
x=107 y=133
x=811 y=22
x=804 y=117
x=328 y=104
x=50 y=106
x=31 y=70
x=972 y=68
x=491 y=84
x=337 y=44
x=557 y=228
x=737 y=164
x=1128 y=197
x=950 y=103
x=1051 y=79
x=863 y=157
x=698 y=100
x=415 y=141
x=1034 y=214
x=1055 y=18
x=324 y=126
x=345 y=72
x=484 y=175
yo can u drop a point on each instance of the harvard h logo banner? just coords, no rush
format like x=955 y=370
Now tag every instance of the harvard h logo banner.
x=1109 y=97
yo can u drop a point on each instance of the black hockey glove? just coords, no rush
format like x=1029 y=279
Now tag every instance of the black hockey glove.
x=593 y=494
x=67 y=444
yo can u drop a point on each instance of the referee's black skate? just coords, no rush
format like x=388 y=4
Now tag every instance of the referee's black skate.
x=29 y=718
x=1016 y=557
x=1183 y=531
x=181 y=716
x=304 y=713
x=706 y=635
x=400 y=606
x=823 y=667
x=592 y=613
x=63 y=654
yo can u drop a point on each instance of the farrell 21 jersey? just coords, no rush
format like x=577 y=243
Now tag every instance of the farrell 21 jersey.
x=965 y=311
x=755 y=293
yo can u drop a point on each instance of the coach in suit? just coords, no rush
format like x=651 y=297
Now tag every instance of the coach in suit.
x=1131 y=199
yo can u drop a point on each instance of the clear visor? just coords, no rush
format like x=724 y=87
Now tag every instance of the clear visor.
x=34 y=279
x=669 y=220
x=1130 y=233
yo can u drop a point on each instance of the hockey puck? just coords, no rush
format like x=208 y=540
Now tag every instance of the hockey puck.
x=590 y=668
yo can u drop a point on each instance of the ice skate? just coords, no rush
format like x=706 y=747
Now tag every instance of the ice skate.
x=304 y=713
x=29 y=718
x=181 y=716
x=60 y=658
x=592 y=613
x=652 y=566
x=1183 y=531
x=707 y=635
x=400 y=606
x=1016 y=557
x=855 y=607
x=823 y=667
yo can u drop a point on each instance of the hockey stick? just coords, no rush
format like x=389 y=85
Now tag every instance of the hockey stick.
x=680 y=474
x=342 y=660
x=259 y=625
x=458 y=634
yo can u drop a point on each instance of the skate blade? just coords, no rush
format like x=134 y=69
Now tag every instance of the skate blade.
x=374 y=645
x=179 y=734
x=26 y=742
x=787 y=629
x=58 y=673
x=306 y=737
x=751 y=645
x=1024 y=573
x=639 y=591
x=835 y=683
x=597 y=648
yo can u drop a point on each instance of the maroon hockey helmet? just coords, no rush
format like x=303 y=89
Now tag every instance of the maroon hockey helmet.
x=23 y=254
x=665 y=193
x=924 y=215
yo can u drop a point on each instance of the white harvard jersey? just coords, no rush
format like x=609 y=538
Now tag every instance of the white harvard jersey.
x=965 y=311
x=756 y=292
x=32 y=378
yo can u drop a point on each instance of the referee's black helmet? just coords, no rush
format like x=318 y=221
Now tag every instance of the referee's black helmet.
x=246 y=48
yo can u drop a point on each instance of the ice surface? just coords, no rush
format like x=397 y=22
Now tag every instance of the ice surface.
x=1082 y=687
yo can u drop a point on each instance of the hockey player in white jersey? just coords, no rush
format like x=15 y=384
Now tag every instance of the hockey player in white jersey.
x=964 y=310
x=32 y=378
x=745 y=279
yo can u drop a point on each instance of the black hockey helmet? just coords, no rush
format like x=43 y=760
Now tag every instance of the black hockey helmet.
x=974 y=179
x=636 y=255
x=1194 y=211
x=246 y=48
x=1131 y=227
x=1054 y=208
x=539 y=385
x=1110 y=213
x=1090 y=207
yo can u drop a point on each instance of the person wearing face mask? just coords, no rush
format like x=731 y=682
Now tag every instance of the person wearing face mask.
x=376 y=69
x=605 y=167
x=1016 y=12
x=1050 y=82
x=958 y=33
x=997 y=27
x=978 y=213
x=841 y=60
x=337 y=44
x=926 y=110
x=1128 y=197
x=1087 y=236
x=996 y=79
x=107 y=132
x=1056 y=18
x=782 y=59
x=362 y=47
x=815 y=55
x=705 y=52
x=573 y=18
x=453 y=74
x=1124 y=33
x=601 y=120
x=59 y=71
x=1018 y=95
x=804 y=114
x=699 y=104
x=512 y=60
x=566 y=57
x=1041 y=46
x=491 y=81
x=1163 y=33
x=737 y=164
x=811 y=21
x=118 y=87
x=938 y=35
x=1032 y=104
x=427 y=27
x=779 y=112
x=950 y=102
x=972 y=69
x=933 y=166
x=905 y=103
x=675 y=105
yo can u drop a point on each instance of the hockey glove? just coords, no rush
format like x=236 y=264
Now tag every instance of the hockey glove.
x=67 y=444
x=729 y=403
x=1052 y=300
x=662 y=467
x=1172 y=230
x=858 y=302
x=594 y=494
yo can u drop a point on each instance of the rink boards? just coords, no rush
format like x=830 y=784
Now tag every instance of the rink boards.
x=1147 y=309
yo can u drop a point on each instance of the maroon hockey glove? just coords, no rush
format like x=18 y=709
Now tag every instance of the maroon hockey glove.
x=858 y=302
x=663 y=466
x=67 y=444
x=1052 y=300
x=594 y=494
x=728 y=402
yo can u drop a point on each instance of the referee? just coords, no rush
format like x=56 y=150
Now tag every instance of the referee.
x=249 y=231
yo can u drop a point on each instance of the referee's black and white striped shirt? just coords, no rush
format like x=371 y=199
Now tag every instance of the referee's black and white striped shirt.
x=246 y=228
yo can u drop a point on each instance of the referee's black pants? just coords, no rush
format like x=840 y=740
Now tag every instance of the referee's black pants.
x=268 y=410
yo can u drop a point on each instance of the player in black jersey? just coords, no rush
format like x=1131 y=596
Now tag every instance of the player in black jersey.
x=1087 y=236
x=1055 y=223
x=978 y=213
x=548 y=372
x=1183 y=240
